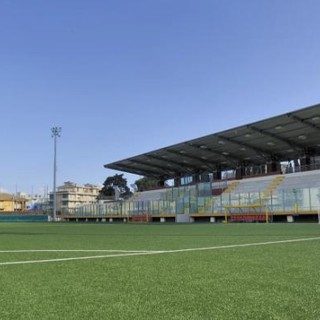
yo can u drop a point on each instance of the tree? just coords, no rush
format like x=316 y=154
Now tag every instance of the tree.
x=147 y=183
x=115 y=182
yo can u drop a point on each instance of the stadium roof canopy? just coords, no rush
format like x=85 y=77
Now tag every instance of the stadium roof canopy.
x=281 y=138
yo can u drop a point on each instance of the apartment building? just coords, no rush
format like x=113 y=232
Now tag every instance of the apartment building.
x=71 y=196
x=12 y=203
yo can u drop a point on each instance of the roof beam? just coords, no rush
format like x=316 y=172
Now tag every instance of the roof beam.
x=261 y=152
x=171 y=161
x=185 y=155
x=290 y=143
x=303 y=121
x=133 y=169
x=164 y=169
x=228 y=157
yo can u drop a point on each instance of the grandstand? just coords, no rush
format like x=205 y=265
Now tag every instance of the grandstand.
x=269 y=168
x=151 y=195
x=300 y=180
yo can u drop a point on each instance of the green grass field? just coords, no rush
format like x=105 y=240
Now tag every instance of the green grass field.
x=244 y=272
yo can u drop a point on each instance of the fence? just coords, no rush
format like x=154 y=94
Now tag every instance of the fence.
x=200 y=200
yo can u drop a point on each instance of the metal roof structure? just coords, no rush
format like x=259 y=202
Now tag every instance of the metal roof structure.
x=281 y=138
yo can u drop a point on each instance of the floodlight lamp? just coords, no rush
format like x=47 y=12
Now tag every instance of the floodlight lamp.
x=55 y=131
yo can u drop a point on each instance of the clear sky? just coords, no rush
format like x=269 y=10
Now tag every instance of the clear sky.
x=127 y=77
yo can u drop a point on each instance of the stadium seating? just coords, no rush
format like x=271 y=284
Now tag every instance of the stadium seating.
x=259 y=184
x=151 y=195
x=301 y=180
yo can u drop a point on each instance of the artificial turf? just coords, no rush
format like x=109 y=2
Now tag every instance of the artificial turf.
x=274 y=281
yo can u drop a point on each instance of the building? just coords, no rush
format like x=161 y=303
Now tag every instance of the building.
x=36 y=202
x=12 y=203
x=71 y=196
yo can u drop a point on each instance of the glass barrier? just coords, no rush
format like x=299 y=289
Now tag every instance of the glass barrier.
x=199 y=200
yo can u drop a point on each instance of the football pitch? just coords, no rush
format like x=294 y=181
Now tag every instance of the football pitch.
x=159 y=271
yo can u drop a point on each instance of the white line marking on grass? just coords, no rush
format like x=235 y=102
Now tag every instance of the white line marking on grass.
x=244 y=245
x=74 y=250
x=160 y=252
x=80 y=258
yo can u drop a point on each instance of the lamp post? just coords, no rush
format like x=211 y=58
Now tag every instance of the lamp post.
x=55 y=134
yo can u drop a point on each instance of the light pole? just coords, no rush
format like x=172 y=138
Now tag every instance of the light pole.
x=55 y=134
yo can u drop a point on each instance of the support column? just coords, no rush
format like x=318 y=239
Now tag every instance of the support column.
x=161 y=183
x=196 y=178
x=273 y=166
x=305 y=162
x=205 y=177
x=217 y=175
x=239 y=172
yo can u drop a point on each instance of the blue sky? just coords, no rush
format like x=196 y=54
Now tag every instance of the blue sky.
x=126 y=77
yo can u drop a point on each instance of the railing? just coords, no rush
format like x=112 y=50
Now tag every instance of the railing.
x=290 y=200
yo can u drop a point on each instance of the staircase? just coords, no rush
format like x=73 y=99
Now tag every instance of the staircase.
x=231 y=187
x=272 y=186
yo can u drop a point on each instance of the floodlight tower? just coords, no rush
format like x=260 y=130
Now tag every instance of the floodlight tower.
x=56 y=131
